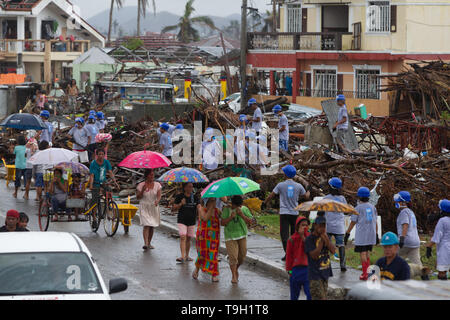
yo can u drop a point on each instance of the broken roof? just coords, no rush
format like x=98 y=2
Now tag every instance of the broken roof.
x=95 y=55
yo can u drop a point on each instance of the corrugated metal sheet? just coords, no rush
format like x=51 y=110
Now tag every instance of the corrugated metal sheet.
x=331 y=109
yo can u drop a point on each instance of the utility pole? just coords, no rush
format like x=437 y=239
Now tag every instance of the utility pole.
x=274 y=15
x=243 y=54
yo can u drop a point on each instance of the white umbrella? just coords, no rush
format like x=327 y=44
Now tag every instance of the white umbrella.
x=53 y=157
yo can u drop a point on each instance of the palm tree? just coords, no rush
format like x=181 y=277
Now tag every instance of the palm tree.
x=268 y=22
x=119 y=4
x=142 y=9
x=187 y=32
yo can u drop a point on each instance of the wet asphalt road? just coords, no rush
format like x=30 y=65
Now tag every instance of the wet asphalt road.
x=154 y=275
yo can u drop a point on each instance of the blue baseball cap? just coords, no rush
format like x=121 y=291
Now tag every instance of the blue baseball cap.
x=277 y=108
x=402 y=196
x=444 y=205
x=242 y=118
x=335 y=183
x=45 y=114
x=251 y=101
x=363 y=192
x=80 y=120
x=165 y=126
x=340 y=97
x=179 y=127
x=91 y=117
x=389 y=239
x=92 y=112
x=100 y=115
x=290 y=171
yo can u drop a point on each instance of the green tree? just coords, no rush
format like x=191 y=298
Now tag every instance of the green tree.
x=142 y=10
x=119 y=4
x=187 y=33
x=133 y=44
x=233 y=30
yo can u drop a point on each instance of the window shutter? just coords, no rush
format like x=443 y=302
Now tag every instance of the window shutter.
x=305 y=20
x=393 y=18
x=308 y=84
x=340 y=83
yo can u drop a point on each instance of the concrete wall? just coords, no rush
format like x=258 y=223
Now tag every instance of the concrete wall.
x=92 y=69
x=33 y=69
x=422 y=26
x=374 y=107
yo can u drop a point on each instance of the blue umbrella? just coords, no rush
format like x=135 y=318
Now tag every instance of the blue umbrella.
x=183 y=175
x=23 y=121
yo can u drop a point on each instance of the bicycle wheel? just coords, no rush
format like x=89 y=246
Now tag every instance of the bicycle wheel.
x=111 y=218
x=94 y=218
x=45 y=215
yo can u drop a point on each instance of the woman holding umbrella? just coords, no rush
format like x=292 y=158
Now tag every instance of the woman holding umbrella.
x=208 y=240
x=149 y=194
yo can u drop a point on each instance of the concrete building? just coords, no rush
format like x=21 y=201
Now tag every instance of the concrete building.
x=323 y=48
x=41 y=38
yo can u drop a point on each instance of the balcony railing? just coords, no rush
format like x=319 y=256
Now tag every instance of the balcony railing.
x=296 y=41
x=15 y=46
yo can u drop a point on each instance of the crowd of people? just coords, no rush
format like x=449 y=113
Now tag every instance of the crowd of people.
x=307 y=244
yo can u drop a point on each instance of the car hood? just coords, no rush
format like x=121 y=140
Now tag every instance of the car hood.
x=59 y=297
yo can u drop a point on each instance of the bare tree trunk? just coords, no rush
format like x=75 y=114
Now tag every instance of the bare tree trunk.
x=274 y=16
x=110 y=21
x=243 y=54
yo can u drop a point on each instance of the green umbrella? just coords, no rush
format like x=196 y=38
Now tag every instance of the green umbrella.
x=229 y=187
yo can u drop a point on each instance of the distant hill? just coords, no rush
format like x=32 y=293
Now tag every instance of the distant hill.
x=126 y=17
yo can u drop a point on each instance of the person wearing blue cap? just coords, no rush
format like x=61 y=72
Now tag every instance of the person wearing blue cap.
x=407 y=229
x=81 y=138
x=392 y=267
x=45 y=134
x=441 y=238
x=101 y=121
x=366 y=229
x=93 y=132
x=342 y=123
x=318 y=248
x=289 y=192
x=336 y=220
x=283 y=127
x=165 y=141
x=257 y=119
x=210 y=150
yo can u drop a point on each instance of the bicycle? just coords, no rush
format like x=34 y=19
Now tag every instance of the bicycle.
x=110 y=213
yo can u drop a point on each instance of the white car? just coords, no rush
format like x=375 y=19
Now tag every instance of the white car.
x=50 y=266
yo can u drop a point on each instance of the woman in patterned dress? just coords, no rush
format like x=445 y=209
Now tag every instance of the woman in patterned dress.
x=208 y=240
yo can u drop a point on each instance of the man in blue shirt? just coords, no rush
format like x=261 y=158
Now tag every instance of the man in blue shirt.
x=342 y=124
x=407 y=229
x=257 y=119
x=165 y=141
x=336 y=220
x=392 y=267
x=283 y=127
x=45 y=134
x=289 y=192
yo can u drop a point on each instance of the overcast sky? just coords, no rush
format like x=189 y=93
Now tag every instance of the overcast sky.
x=203 y=7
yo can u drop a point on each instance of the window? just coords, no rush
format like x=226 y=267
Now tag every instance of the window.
x=367 y=84
x=325 y=83
x=294 y=18
x=378 y=17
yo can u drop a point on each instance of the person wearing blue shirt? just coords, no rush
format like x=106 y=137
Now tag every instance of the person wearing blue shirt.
x=336 y=220
x=441 y=238
x=101 y=122
x=366 y=229
x=283 y=127
x=289 y=192
x=342 y=124
x=93 y=132
x=165 y=141
x=392 y=267
x=45 y=134
x=20 y=163
x=407 y=229
x=257 y=119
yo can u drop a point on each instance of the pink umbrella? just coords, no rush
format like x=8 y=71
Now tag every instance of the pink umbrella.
x=145 y=160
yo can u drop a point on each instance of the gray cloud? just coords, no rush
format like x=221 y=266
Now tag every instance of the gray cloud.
x=90 y=8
